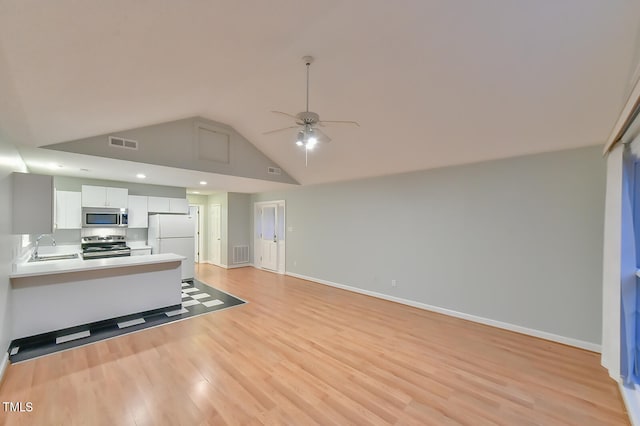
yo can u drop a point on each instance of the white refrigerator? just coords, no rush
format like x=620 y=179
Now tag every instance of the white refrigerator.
x=174 y=233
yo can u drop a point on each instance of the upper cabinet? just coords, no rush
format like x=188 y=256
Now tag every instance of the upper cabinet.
x=32 y=204
x=138 y=211
x=168 y=205
x=68 y=210
x=179 y=205
x=103 y=196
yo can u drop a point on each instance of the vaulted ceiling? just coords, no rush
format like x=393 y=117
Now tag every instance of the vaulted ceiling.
x=431 y=82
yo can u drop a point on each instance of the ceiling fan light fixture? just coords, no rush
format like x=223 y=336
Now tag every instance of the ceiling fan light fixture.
x=308 y=136
x=312 y=141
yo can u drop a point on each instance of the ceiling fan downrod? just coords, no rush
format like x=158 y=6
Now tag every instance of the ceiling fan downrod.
x=307 y=60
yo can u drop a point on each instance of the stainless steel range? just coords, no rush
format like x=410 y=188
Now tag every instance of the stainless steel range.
x=97 y=247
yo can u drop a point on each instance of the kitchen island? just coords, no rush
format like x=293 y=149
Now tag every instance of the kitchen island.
x=57 y=294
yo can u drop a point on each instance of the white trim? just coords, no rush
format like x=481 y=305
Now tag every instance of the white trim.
x=631 y=398
x=611 y=263
x=281 y=245
x=3 y=365
x=222 y=265
x=238 y=265
x=210 y=227
x=202 y=236
x=624 y=115
x=487 y=321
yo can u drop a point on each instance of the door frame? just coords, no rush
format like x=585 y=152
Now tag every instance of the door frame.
x=209 y=236
x=199 y=257
x=282 y=239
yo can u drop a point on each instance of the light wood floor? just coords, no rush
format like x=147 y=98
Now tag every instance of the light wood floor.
x=303 y=353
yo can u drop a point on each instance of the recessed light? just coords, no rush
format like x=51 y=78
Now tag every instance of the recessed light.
x=202 y=182
x=141 y=176
x=195 y=192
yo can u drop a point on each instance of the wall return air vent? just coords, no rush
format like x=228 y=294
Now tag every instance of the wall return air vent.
x=117 y=142
x=274 y=170
x=240 y=254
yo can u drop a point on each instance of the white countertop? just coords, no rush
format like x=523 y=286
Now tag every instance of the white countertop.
x=49 y=267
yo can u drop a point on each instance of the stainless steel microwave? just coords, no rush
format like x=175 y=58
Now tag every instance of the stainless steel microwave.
x=97 y=217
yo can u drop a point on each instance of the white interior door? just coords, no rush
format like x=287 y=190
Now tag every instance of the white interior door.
x=195 y=212
x=214 y=240
x=269 y=237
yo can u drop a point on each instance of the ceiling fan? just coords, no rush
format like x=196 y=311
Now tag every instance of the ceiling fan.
x=307 y=122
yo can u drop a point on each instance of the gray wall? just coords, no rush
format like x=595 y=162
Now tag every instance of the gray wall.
x=516 y=240
x=9 y=244
x=235 y=222
x=177 y=144
x=239 y=222
x=64 y=183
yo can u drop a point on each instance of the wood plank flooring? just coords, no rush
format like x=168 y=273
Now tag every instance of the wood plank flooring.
x=303 y=353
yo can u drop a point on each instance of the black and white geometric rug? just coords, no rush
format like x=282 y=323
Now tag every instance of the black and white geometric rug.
x=197 y=299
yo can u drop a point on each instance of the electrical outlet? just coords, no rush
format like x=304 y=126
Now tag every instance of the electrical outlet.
x=394 y=283
x=295 y=263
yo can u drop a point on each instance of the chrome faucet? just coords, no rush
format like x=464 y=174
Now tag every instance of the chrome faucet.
x=35 y=250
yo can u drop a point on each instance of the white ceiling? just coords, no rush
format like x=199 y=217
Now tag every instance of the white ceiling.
x=432 y=82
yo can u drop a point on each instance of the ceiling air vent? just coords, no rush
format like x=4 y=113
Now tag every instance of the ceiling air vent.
x=274 y=170
x=117 y=142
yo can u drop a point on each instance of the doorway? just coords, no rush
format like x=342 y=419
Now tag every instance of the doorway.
x=215 y=243
x=194 y=211
x=269 y=236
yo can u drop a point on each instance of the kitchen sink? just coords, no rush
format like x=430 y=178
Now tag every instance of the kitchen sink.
x=45 y=257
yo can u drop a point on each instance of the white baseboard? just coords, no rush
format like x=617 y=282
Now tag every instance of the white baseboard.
x=240 y=265
x=3 y=365
x=222 y=265
x=631 y=398
x=487 y=321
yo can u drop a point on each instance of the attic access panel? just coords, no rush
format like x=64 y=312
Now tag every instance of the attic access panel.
x=212 y=144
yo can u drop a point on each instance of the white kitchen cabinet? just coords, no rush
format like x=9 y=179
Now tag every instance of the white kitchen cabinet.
x=138 y=211
x=103 y=196
x=68 y=210
x=179 y=205
x=140 y=251
x=32 y=204
x=159 y=205
x=168 y=205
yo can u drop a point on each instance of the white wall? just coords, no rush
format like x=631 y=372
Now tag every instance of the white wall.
x=10 y=161
x=517 y=240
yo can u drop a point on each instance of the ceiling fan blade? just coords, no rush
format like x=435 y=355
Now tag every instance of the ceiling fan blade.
x=322 y=136
x=280 y=130
x=286 y=113
x=334 y=122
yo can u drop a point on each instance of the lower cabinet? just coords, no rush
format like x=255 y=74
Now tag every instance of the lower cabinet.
x=140 y=251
